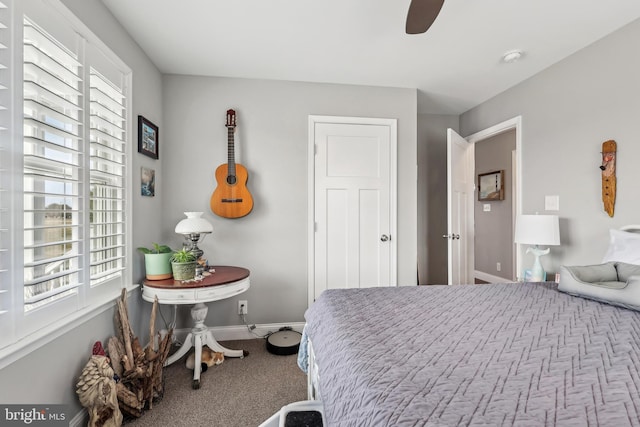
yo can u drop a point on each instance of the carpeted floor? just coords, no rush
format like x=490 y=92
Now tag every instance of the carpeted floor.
x=239 y=392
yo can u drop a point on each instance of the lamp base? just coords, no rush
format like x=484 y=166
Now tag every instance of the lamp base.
x=191 y=244
x=537 y=272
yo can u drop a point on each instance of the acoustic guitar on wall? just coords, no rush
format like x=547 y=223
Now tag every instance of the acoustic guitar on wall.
x=231 y=198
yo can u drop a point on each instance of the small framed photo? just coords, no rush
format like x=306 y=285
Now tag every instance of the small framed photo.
x=147 y=138
x=147 y=182
x=491 y=186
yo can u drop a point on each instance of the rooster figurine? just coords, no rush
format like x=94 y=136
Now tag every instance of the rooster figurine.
x=96 y=389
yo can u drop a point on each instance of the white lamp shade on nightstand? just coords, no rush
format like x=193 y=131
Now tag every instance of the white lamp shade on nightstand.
x=194 y=224
x=541 y=230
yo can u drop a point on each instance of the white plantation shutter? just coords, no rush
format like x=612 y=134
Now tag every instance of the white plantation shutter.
x=107 y=182
x=53 y=168
x=5 y=140
x=64 y=186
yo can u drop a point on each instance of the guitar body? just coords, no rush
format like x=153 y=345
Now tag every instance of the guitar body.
x=231 y=200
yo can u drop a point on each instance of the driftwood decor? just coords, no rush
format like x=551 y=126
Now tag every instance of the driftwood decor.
x=608 y=168
x=139 y=370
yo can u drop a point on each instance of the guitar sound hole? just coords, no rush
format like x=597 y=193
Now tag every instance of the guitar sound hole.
x=231 y=180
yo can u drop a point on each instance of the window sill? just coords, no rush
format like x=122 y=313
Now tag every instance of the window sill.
x=32 y=342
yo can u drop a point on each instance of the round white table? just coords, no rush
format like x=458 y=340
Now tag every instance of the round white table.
x=224 y=283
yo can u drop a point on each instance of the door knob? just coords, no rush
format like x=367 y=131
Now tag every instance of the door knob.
x=451 y=236
x=384 y=238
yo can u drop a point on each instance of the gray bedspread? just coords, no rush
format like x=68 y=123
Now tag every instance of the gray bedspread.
x=494 y=355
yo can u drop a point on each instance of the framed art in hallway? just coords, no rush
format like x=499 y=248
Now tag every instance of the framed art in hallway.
x=147 y=138
x=491 y=186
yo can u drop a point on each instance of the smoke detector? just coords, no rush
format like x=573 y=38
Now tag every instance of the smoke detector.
x=512 y=56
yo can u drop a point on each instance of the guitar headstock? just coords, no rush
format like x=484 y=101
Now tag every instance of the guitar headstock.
x=231 y=119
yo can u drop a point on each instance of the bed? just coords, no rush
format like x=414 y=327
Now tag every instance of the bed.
x=501 y=354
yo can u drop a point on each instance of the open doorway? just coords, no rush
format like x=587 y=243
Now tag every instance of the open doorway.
x=433 y=258
x=497 y=148
x=494 y=211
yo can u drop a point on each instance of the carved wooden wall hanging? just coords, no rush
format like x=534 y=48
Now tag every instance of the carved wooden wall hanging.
x=608 y=168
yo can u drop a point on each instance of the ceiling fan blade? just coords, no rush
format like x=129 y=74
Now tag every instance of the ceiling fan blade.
x=421 y=15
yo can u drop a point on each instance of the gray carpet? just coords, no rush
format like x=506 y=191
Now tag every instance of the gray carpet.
x=238 y=392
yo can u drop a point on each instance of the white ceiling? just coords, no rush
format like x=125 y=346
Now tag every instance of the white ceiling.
x=455 y=65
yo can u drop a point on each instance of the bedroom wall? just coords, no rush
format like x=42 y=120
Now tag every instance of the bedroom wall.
x=271 y=141
x=494 y=229
x=55 y=366
x=568 y=111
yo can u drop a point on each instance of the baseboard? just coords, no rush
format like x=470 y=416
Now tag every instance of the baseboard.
x=240 y=332
x=490 y=277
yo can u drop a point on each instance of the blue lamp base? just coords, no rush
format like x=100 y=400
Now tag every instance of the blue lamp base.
x=537 y=272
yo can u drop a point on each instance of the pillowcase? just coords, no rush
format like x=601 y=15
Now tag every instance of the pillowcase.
x=623 y=247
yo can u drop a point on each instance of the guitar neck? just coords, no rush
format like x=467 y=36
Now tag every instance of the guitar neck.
x=231 y=160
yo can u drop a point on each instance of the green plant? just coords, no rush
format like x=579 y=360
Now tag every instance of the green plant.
x=183 y=255
x=157 y=249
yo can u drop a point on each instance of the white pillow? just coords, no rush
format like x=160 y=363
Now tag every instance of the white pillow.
x=623 y=247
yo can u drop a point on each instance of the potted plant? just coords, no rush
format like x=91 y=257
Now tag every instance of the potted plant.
x=157 y=261
x=183 y=264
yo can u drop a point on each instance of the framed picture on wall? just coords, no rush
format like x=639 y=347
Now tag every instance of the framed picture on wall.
x=491 y=186
x=147 y=182
x=147 y=138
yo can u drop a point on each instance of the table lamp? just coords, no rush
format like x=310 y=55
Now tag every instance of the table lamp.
x=537 y=230
x=194 y=228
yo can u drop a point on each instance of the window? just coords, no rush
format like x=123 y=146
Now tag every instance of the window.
x=107 y=187
x=70 y=190
x=53 y=169
x=5 y=183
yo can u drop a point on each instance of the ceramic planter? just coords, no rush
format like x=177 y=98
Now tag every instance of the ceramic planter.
x=184 y=270
x=157 y=266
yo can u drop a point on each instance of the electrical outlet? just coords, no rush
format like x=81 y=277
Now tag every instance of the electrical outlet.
x=242 y=307
x=498 y=266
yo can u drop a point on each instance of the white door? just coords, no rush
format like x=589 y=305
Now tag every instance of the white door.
x=353 y=203
x=460 y=190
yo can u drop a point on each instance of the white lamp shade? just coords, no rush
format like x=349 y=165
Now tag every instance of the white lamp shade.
x=194 y=224
x=543 y=230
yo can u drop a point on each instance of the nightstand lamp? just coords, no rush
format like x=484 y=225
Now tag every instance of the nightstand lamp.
x=537 y=230
x=194 y=228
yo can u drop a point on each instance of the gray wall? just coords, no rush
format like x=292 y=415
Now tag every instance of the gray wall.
x=432 y=196
x=494 y=229
x=56 y=366
x=271 y=142
x=568 y=111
